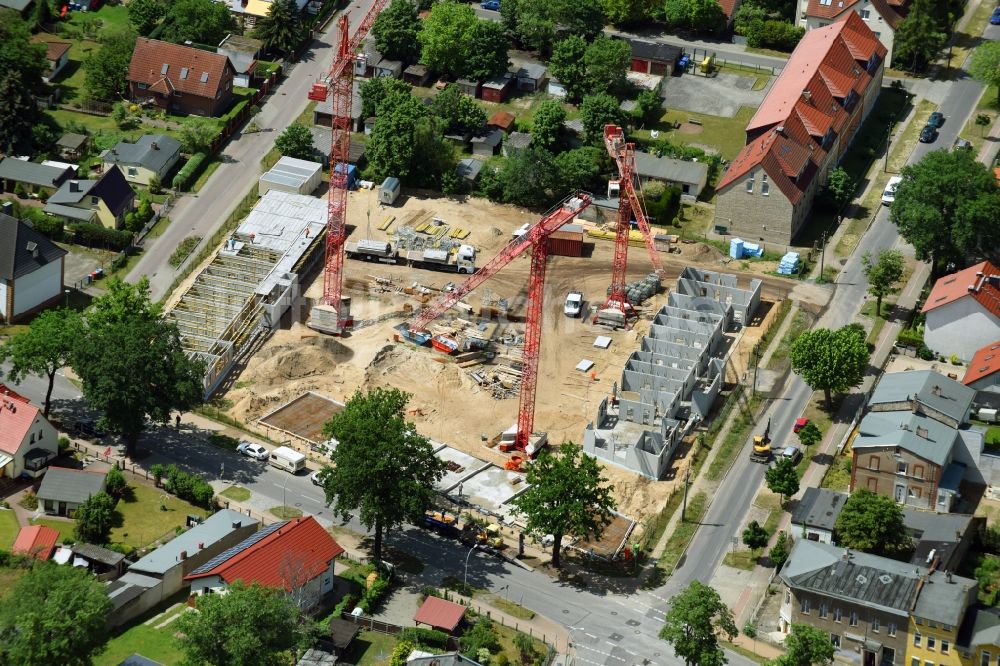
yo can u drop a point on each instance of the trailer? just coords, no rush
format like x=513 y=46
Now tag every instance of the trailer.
x=463 y=260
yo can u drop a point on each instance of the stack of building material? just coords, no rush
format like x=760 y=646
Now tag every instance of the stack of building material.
x=739 y=248
x=789 y=264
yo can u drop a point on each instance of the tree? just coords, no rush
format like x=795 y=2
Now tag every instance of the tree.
x=145 y=15
x=831 y=360
x=547 y=125
x=446 y=37
x=596 y=111
x=810 y=434
x=624 y=12
x=43 y=14
x=245 y=626
x=568 y=65
x=458 y=112
x=487 y=54
x=779 y=551
x=376 y=90
x=529 y=178
x=200 y=21
x=883 y=272
x=400 y=653
x=580 y=169
x=281 y=30
x=566 y=496
x=43 y=348
x=782 y=479
x=21 y=66
x=396 y=30
x=607 y=62
x=694 y=622
x=919 y=37
x=95 y=518
x=806 y=646
x=581 y=18
x=754 y=536
x=405 y=143
x=648 y=107
x=296 y=141
x=985 y=64
x=106 y=68
x=873 y=524
x=53 y=615
x=197 y=134
x=947 y=207
x=839 y=188
x=705 y=16
x=115 y=484
x=382 y=468
x=982 y=122
x=148 y=377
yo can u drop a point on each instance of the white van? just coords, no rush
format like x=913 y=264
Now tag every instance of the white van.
x=287 y=459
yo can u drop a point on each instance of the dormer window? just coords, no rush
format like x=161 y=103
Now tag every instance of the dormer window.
x=872 y=63
x=850 y=100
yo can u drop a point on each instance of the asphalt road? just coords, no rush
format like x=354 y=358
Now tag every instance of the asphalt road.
x=201 y=214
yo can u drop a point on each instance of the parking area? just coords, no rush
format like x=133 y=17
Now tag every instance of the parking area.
x=719 y=95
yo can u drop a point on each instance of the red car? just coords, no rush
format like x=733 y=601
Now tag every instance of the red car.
x=799 y=424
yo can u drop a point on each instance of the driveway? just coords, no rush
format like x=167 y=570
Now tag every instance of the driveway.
x=720 y=95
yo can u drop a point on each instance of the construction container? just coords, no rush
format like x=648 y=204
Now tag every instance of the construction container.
x=567 y=241
x=389 y=190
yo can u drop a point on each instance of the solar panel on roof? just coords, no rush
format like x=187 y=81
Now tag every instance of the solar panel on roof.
x=239 y=548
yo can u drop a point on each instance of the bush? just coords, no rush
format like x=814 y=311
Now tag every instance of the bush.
x=183 y=249
x=64 y=444
x=96 y=235
x=158 y=471
x=773 y=34
x=482 y=636
x=188 y=486
x=29 y=501
x=372 y=595
x=19 y=191
x=115 y=483
x=155 y=186
x=49 y=226
x=189 y=171
x=425 y=637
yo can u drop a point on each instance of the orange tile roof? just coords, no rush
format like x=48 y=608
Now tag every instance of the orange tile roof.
x=301 y=545
x=56 y=50
x=35 y=540
x=729 y=7
x=781 y=158
x=828 y=9
x=502 y=119
x=440 y=614
x=166 y=67
x=17 y=415
x=985 y=362
x=981 y=282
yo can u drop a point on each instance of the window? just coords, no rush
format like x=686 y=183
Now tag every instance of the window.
x=865 y=14
x=873 y=484
x=916 y=639
x=788 y=596
x=854 y=618
x=918 y=471
x=142 y=86
x=32 y=438
x=805 y=606
x=873 y=463
x=750 y=185
x=945 y=646
x=876 y=624
x=764 y=187
x=93 y=201
x=901 y=468
x=826 y=3
x=41 y=434
x=931 y=642
x=932 y=624
x=835 y=639
x=850 y=100
x=891 y=629
x=917 y=620
x=928 y=662
x=837 y=615
x=823 y=610
x=984 y=658
x=132 y=171
x=915 y=661
x=877 y=34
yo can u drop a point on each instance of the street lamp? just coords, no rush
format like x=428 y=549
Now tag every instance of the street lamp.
x=465 y=579
x=283 y=505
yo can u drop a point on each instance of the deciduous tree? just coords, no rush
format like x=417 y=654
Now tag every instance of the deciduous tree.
x=919 y=37
x=406 y=143
x=54 y=615
x=883 y=272
x=95 y=518
x=21 y=66
x=754 y=536
x=529 y=178
x=874 y=524
x=831 y=360
x=839 y=188
x=145 y=15
x=948 y=207
x=581 y=169
x=200 y=21
x=696 y=619
x=648 y=107
x=396 y=30
x=197 y=134
x=43 y=348
x=247 y=625
x=567 y=496
x=148 y=376
x=446 y=37
x=382 y=468
x=376 y=90
x=806 y=646
x=569 y=67
x=296 y=141
x=281 y=30
x=106 y=68
x=626 y=12
x=596 y=111
x=810 y=434
x=782 y=479
x=607 y=61
x=779 y=551
x=458 y=112
x=985 y=64
x=487 y=54
x=547 y=125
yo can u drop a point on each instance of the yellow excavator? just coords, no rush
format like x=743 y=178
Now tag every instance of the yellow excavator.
x=761 y=451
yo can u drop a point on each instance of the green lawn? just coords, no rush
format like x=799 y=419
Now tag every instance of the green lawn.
x=206 y=172
x=9 y=527
x=147 y=640
x=799 y=324
x=143 y=520
x=370 y=648
x=285 y=512
x=64 y=527
x=679 y=540
x=71 y=78
x=7 y=579
x=727 y=135
x=236 y=493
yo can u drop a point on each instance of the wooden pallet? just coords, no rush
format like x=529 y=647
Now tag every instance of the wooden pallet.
x=387 y=223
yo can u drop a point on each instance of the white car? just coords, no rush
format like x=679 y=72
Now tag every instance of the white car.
x=574 y=303
x=314 y=477
x=255 y=451
x=889 y=194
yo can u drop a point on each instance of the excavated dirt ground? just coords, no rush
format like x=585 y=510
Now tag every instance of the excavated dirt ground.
x=447 y=405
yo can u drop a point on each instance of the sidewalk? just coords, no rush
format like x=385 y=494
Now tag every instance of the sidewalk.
x=991 y=146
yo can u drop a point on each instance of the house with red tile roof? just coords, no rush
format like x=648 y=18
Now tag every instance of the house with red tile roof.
x=179 y=78
x=962 y=312
x=294 y=555
x=27 y=440
x=36 y=541
x=984 y=368
x=800 y=132
x=882 y=16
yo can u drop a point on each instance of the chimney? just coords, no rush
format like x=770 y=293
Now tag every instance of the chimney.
x=847 y=555
x=236 y=524
x=807 y=94
x=936 y=390
x=971 y=287
x=201 y=546
x=947 y=576
x=155 y=147
x=184 y=555
x=994 y=281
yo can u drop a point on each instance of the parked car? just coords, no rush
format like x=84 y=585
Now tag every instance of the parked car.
x=89 y=428
x=792 y=453
x=800 y=424
x=255 y=451
x=963 y=144
x=574 y=303
x=889 y=194
x=936 y=119
x=492 y=5
x=314 y=477
x=928 y=134
x=995 y=17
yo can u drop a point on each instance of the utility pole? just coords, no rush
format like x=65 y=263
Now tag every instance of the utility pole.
x=822 y=249
x=888 y=135
x=684 y=504
x=756 y=364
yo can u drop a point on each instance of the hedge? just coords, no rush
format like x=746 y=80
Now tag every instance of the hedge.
x=188 y=487
x=422 y=636
x=50 y=227
x=96 y=235
x=188 y=172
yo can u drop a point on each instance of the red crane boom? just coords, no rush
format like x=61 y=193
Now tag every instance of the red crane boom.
x=629 y=205
x=535 y=238
x=340 y=82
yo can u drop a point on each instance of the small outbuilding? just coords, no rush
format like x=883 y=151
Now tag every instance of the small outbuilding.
x=502 y=120
x=71 y=145
x=515 y=141
x=470 y=88
x=468 y=169
x=63 y=490
x=653 y=57
x=567 y=241
x=36 y=541
x=388 y=191
x=416 y=75
x=496 y=90
x=531 y=77
x=439 y=614
x=488 y=144
x=291 y=175
x=690 y=177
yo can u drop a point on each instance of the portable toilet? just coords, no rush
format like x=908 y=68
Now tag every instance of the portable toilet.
x=389 y=190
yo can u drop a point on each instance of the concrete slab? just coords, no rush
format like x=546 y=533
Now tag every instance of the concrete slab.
x=602 y=341
x=490 y=489
x=721 y=95
x=459 y=466
x=584 y=365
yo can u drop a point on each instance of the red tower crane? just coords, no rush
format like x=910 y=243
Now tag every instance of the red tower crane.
x=340 y=82
x=536 y=238
x=629 y=205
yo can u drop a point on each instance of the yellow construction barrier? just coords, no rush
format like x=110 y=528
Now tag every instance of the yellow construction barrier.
x=422 y=227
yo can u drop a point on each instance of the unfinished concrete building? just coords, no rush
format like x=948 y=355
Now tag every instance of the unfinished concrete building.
x=669 y=385
x=241 y=295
